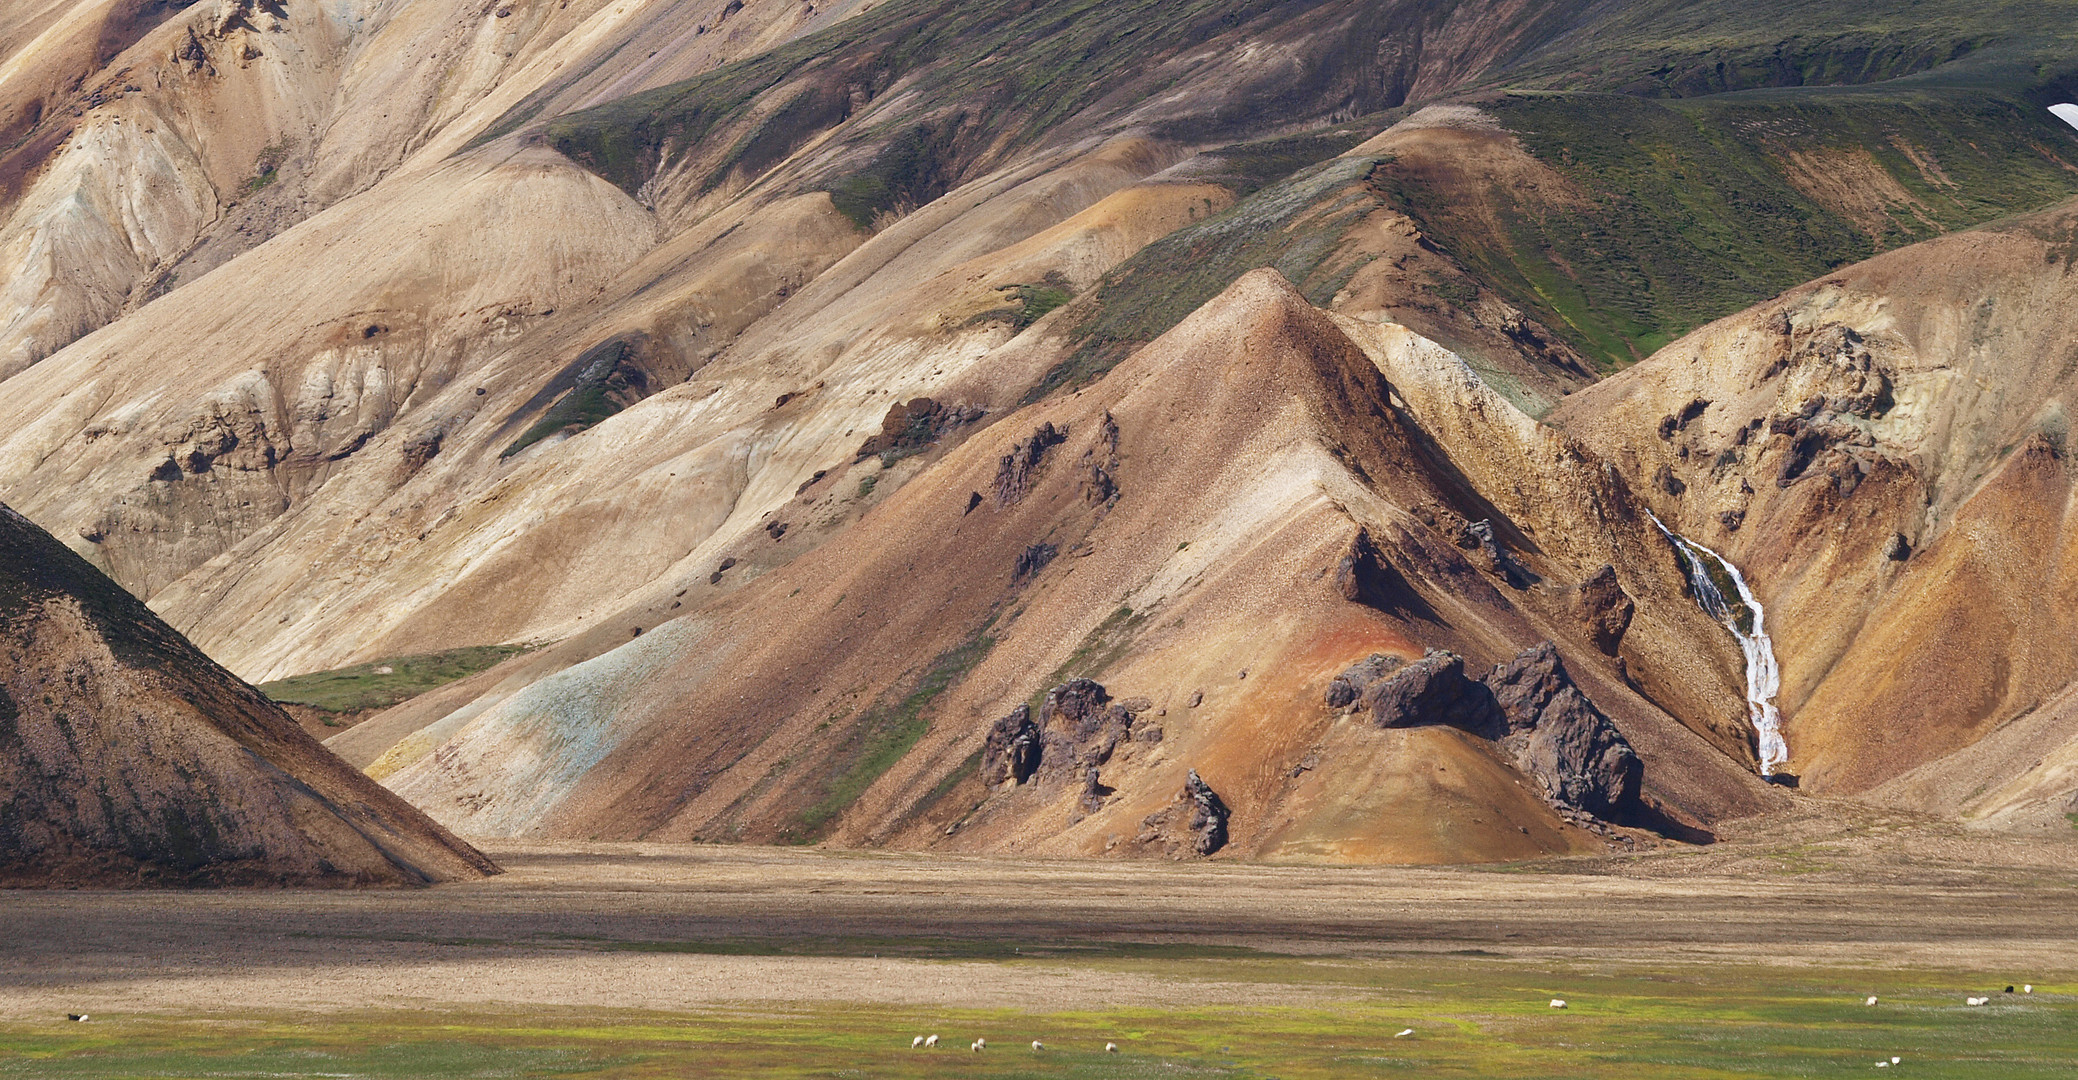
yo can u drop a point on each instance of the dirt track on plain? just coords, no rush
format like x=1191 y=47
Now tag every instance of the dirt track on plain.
x=680 y=927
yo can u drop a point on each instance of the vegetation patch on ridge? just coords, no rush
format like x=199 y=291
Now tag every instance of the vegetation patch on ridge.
x=1686 y=211
x=880 y=738
x=380 y=684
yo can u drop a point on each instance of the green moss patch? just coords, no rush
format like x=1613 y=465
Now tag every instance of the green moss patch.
x=883 y=735
x=365 y=687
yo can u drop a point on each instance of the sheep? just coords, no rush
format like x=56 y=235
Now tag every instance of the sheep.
x=1975 y=1000
x=916 y=1042
x=931 y=1042
x=1558 y=1003
x=975 y=1046
x=2028 y=988
x=1111 y=1048
x=1404 y=1034
x=1871 y=1001
x=1037 y=1046
x=81 y=1017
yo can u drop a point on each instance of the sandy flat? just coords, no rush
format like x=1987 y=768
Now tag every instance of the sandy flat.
x=568 y=923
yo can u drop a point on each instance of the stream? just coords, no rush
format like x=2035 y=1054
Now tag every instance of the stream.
x=1747 y=623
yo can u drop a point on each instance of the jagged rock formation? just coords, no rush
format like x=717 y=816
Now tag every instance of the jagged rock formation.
x=1433 y=690
x=1529 y=705
x=1011 y=754
x=1195 y=822
x=1078 y=729
x=1347 y=689
x=128 y=757
x=911 y=426
x=1604 y=610
x=1558 y=736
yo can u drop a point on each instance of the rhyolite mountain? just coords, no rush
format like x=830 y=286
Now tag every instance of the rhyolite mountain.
x=128 y=757
x=820 y=385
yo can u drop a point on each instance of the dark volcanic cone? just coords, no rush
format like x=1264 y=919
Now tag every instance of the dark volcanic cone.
x=127 y=756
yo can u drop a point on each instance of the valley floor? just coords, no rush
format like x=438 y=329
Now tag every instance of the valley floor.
x=1750 y=958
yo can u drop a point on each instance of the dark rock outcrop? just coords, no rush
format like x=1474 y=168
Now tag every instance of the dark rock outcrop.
x=1477 y=537
x=1093 y=792
x=910 y=427
x=1030 y=561
x=1364 y=576
x=1078 y=729
x=1530 y=706
x=1100 y=466
x=1082 y=727
x=1604 y=609
x=1208 y=815
x=1348 y=688
x=1558 y=736
x=1012 y=749
x=1434 y=690
x=1195 y=823
x=1018 y=468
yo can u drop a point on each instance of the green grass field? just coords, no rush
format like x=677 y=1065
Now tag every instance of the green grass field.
x=1471 y=1016
x=360 y=688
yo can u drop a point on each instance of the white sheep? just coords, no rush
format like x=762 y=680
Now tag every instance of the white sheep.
x=1975 y=1000
x=916 y=1042
x=1558 y=1003
x=1404 y=1034
x=1037 y=1046
x=1871 y=1001
x=2028 y=989
x=931 y=1042
x=975 y=1046
x=1111 y=1048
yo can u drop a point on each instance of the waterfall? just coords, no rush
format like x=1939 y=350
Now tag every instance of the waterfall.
x=1747 y=623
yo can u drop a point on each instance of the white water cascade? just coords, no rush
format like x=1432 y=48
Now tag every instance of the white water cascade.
x=1763 y=677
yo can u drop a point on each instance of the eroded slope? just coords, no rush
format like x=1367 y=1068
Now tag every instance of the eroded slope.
x=128 y=757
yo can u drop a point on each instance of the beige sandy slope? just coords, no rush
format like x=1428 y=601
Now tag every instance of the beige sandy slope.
x=1253 y=442
x=1915 y=554
x=214 y=128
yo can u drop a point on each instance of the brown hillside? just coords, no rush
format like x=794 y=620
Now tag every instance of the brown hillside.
x=127 y=756
x=1884 y=452
x=1196 y=506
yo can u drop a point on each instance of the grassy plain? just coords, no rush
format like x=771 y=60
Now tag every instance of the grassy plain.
x=1470 y=1017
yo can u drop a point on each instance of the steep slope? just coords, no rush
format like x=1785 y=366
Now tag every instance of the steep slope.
x=1173 y=531
x=1883 y=452
x=127 y=756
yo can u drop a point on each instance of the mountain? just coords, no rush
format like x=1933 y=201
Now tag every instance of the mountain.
x=1884 y=452
x=128 y=756
x=625 y=328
